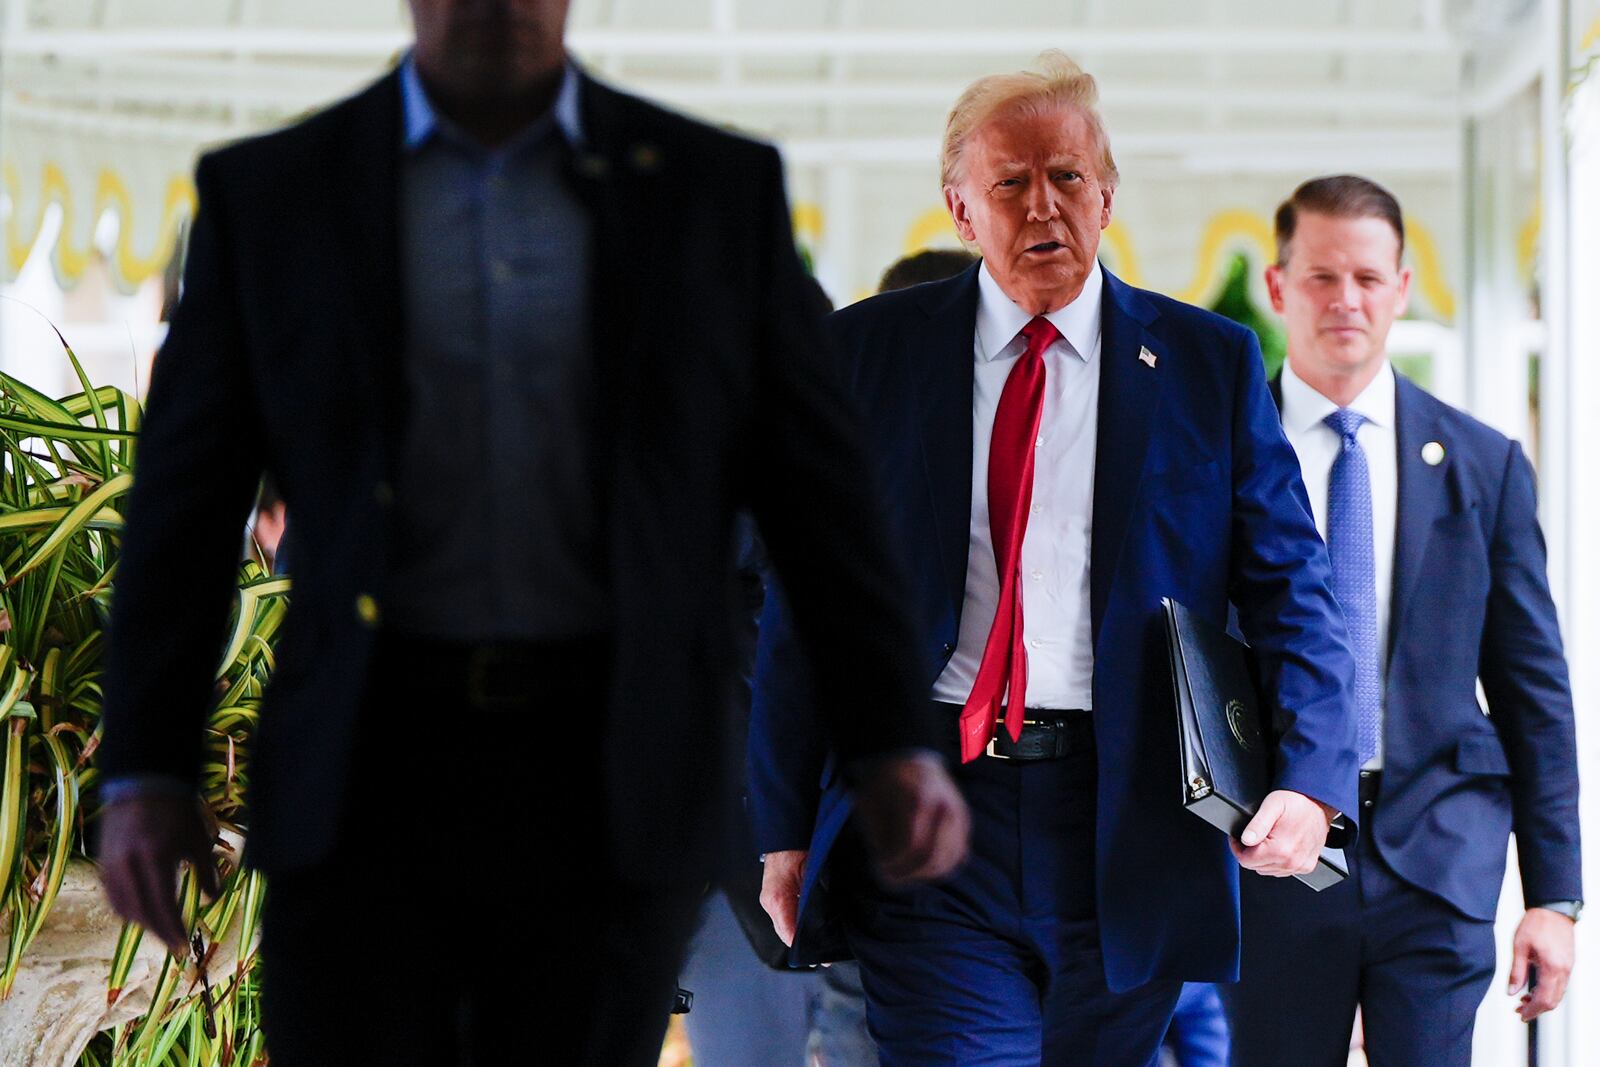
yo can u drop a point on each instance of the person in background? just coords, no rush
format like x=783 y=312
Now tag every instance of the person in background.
x=746 y=1013
x=513 y=450
x=928 y=265
x=1439 y=566
x=268 y=526
x=1198 y=1036
x=1058 y=452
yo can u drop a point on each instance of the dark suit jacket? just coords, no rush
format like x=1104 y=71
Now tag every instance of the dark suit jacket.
x=1197 y=496
x=722 y=393
x=1471 y=600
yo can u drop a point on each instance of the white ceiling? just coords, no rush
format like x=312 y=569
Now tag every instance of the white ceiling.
x=1269 y=83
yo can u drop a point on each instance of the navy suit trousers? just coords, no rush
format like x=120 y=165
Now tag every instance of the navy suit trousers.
x=461 y=957
x=1001 y=966
x=1417 y=967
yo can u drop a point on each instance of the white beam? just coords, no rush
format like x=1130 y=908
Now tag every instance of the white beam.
x=1175 y=40
x=1112 y=95
x=1266 y=151
x=1501 y=70
x=1181 y=40
x=159 y=80
x=354 y=44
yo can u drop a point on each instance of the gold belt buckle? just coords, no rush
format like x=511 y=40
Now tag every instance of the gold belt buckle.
x=479 y=666
x=989 y=749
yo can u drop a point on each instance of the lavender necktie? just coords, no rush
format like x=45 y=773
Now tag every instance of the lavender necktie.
x=1354 y=585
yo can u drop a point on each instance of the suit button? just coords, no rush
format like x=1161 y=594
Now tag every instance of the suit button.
x=949 y=648
x=367 y=611
x=383 y=493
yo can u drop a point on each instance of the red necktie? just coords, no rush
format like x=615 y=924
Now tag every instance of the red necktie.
x=1011 y=457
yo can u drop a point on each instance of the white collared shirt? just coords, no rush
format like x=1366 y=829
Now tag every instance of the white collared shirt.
x=1317 y=445
x=1055 y=548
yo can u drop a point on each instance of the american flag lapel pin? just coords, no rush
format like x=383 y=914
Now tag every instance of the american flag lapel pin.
x=1147 y=357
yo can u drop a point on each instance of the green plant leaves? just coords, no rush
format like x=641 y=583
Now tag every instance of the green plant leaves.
x=66 y=468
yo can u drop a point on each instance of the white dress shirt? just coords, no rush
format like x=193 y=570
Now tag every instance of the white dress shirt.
x=1055 y=548
x=1317 y=445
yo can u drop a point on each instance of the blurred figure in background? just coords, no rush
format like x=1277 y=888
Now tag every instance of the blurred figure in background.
x=1198 y=1036
x=928 y=265
x=750 y=1008
x=265 y=540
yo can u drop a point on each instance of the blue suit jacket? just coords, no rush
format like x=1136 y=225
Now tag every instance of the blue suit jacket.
x=1197 y=496
x=1470 y=600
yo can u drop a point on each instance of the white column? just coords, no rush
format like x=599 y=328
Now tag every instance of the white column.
x=1573 y=525
x=838 y=252
x=1496 y=308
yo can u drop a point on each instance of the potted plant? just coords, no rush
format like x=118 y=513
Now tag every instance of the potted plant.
x=66 y=466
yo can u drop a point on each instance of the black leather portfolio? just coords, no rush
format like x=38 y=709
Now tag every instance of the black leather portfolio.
x=1225 y=749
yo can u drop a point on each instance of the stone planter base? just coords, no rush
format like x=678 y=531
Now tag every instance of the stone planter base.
x=58 y=1003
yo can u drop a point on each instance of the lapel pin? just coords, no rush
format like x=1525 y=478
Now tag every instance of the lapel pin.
x=1147 y=357
x=1433 y=453
x=645 y=158
x=591 y=165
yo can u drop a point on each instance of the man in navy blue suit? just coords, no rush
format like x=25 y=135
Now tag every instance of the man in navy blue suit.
x=1439 y=566
x=1059 y=452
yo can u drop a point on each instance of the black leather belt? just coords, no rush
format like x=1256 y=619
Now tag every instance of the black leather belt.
x=1045 y=735
x=1367 y=789
x=495 y=675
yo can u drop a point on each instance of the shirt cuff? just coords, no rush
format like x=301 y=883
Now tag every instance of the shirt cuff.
x=133 y=786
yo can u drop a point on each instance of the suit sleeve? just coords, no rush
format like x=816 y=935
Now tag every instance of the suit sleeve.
x=812 y=494
x=198 y=467
x=787 y=747
x=1282 y=586
x=1524 y=675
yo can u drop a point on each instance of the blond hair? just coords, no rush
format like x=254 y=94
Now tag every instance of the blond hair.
x=1058 y=82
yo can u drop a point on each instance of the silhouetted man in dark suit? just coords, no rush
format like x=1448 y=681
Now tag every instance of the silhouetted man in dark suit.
x=513 y=453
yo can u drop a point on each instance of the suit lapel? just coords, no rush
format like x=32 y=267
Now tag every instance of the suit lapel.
x=367 y=226
x=1130 y=393
x=1422 y=496
x=944 y=354
x=606 y=172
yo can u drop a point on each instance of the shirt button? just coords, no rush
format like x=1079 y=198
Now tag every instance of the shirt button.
x=1038 y=509
x=1038 y=441
x=367 y=611
x=1038 y=576
x=1034 y=642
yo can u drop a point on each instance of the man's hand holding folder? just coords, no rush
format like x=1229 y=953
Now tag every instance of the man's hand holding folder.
x=1227 y=760
x=1285 y=836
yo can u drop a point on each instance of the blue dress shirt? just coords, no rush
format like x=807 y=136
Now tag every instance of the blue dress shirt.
x=498 y=532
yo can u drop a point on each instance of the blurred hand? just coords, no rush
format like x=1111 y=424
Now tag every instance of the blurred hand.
x=142 y=841
x=782 y=875
x=1543 y=939
x=1285 y=837
x=913 y=818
